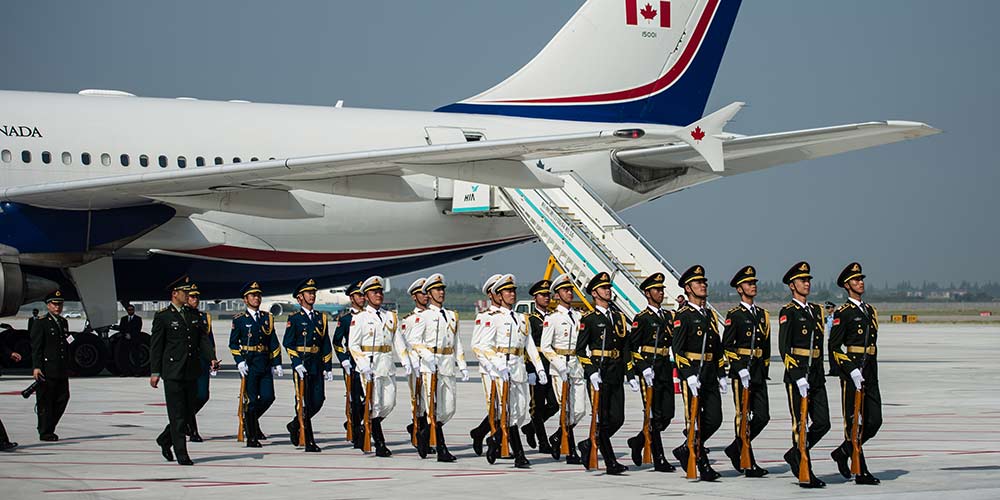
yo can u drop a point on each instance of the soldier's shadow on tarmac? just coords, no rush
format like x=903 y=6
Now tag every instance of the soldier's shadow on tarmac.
x=68 y=440
x=255 y=456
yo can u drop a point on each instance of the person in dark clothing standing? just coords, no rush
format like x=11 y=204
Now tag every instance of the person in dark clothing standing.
x=5 y=443
x=130 y=324
x=543 y=398
x=208 y=368
x=50 y=340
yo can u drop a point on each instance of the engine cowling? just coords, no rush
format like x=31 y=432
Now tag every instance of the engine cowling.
x=12 y=285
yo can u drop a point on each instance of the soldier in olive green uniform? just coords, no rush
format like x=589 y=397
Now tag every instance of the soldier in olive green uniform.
x=177 y=349
x=207 y=367
x=50 y=340
x=746 y=341
x=800 y=343
x=652 y=334
x=852 y=344
x=543 y=398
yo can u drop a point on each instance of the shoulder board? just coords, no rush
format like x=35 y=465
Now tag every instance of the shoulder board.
x=685 y=308
x=165 y=309
x=408 y=315
x=642 y=312
x=844 y=306
x=735 y=309
x=790 y=304
x=587 y=313
x=240 y=315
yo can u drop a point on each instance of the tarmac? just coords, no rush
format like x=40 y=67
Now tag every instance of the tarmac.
x=941 y=437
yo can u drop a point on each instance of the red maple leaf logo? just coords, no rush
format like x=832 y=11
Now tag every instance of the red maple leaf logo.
x=697 y=134
x=648 y=12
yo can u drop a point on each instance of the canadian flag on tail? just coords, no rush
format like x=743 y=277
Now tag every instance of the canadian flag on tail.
x=649 y=13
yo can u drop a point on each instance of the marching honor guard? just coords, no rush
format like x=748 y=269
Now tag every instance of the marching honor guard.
x=408 y=326
x=512 y=342
x=208 y=368
x=746 y=341
x=442 y=359
x=177 y=349
x=543 y=398
x=354 y=408
x=800 y=343
x=372 y=338
x=650 y=345
x=560 y=331
x=311 y=353
x=50 y=341
x=601 y=348
x=698 y=354
x=852 y=342
x=482 y=347
x=255 y=348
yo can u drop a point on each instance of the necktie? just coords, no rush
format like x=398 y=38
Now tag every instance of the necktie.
x=378 y=312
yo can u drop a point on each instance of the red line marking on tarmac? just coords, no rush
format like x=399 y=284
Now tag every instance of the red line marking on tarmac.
x=92 y=489
x=466 y=474
x=156 y=404
x=245 y=466
x=981 y=452
x=121 y=412
x=351 y=479
x=11 y=393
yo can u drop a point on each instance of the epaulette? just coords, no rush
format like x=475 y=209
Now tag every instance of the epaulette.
x=587 y=313
x=535 y=314
x=844 y=306
x=790 y=303
x=685 y=308
x=734 y=309
x=644 y=311
x=165 y=309
x=240 y=315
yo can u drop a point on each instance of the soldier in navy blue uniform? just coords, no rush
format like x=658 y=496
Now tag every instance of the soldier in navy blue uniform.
x=307 y=341
x=747 y=344
x=698 y=353
x=208 y=368
x=341 y=336
x=800 y=342
x=543 y=398
x=852 y=345
x=652 y=331
x=254 y=345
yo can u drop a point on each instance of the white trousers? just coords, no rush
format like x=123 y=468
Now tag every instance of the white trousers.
x=384 y=398
x=578 y=400
x=444 y=402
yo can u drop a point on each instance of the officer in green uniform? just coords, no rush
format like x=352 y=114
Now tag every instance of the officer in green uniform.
x=746 y=341
x=800 y=343
x=852 y=343
x=602 y=348
x=652 y=334
x=308 y=345
x=254 y=346
x=50 y=340
x=543 y=397
x=208 y=368
x=341 y=337
x=698 y=353
x=176 y=351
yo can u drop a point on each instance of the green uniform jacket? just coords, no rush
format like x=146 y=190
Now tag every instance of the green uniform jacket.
x=692 y=330
x=854 y=328
x=179 y=344
x=652 y=331
x=608 y=332
x=744 y=328
x=49 y=349
x=796 y=326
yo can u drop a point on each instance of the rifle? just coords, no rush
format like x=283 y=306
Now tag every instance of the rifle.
x=595 y=403
x=505 y=397
x=804 y=413
x=369 y=399
x=432 y=396
x=564 y=401
x=859 y=396
x=745 y=407
x=418 y=394
x=647 y=447
x=493 y=408
x=695 y=426
x=302 y=409
x=347 y=407
x=240 y=408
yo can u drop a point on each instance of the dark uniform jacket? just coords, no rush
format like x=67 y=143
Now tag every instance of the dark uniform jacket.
x=797 y=328
x=308 y=341
x=743 y=329
x=536 y=321
x=603 y=345
x=49 y=348
x=854 y=328
x=651 y=338
x=255 y=341
x=692 y=330
x=342 y=335
x=179 y=345
x=130 y=327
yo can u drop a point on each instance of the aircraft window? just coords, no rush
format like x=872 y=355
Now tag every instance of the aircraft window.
x=5 y=156
x=144 y=160
x=124 y=160
x=182 y=162
x=46 y=157
x=163 y=161
x=67 y=158
x=218 y=160
x=105 y=159
x=271 y=158
x=26 y=156
x=236 y=159
x=254 y=159
x=85 y=158
x=199 y=161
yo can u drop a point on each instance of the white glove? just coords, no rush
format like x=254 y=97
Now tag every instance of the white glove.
x=595 y=380
x=543 y=378
x=328 y=376
x=488 y=367
x=633 y=384
x=366 y=372
x=277 y=371
x=504 y=373
x=432 y=363
x=465 y=375
x=301 y=370
x=723 y=385
x=532 y=379
x=243 y=369
x=803 y=386
x=693 y=385
x=347 y=366
x=857 y=378
x=407 y=368
x=648 y=375
x=745 y=378
x=495 y=375
x=564 y=374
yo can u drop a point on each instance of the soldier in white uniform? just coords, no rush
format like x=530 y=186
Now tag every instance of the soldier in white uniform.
x=559 y=335
x=407 y=326
x=483 y=349
x=372 y=342
x=511 y=341
x=441 y=354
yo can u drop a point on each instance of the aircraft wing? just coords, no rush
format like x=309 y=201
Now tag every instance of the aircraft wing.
x=265 y=187
x=748 y=153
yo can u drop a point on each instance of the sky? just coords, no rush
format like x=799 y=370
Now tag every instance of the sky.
x=917 y=210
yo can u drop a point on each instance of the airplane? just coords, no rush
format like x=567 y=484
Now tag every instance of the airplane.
x=150 y=190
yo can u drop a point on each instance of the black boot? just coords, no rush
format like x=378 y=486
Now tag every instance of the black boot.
x=705 y=470
x=840 y=456
x=636 y=444
x=660 y=463
x=492 y=448
x=529 y=434
x=479 y=434
x=250 y=430
x=585 y=447
x=555 y=443
x=381 y=450
x=866 y=477
x=543 y=444
x=681 y=453
x=311 y=446
x=423 y=440
x=520 y=461
x=571 y=458
x=165 y=445
x=443 y=455
x=613 y=467
x=293 y=431
x=754 y=470
x=733 y=452
x=193 y=431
